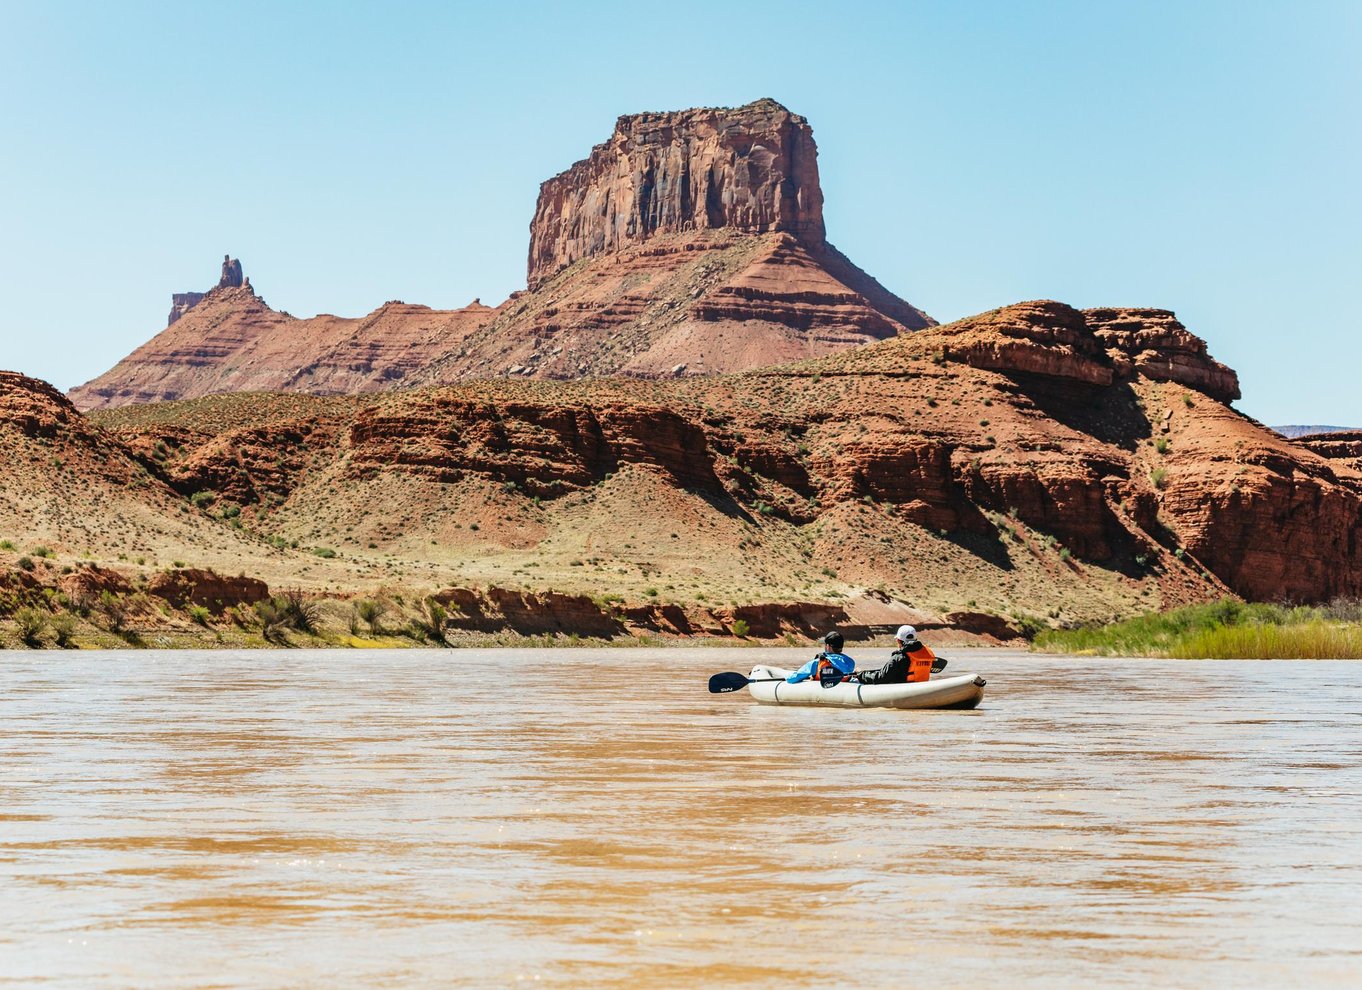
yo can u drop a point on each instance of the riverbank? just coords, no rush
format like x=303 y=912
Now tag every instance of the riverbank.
x=98 y=608
x=1224 y=630
x=87 y=606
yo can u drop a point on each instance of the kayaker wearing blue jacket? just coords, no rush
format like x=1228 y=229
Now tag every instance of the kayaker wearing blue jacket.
x=832 y=658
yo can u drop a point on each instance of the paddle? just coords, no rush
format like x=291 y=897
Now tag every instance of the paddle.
x=733 y=681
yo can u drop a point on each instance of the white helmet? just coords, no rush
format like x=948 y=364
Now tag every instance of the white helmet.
x=905 y=634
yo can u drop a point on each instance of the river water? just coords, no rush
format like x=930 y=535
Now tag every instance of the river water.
x=595 y=818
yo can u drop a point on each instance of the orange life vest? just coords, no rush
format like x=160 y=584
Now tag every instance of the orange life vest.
x=920 y=663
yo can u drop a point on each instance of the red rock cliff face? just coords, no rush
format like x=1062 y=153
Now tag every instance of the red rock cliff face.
x=752 y=169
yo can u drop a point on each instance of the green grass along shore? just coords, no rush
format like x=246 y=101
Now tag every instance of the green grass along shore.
x=1223 y=630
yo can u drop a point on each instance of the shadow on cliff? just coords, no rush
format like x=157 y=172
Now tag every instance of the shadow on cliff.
x=1110 y=413
x=988 y=547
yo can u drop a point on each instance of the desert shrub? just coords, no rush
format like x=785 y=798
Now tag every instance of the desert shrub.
x=177 y=564
x=325 y=552
x=370 y=611
x=1161 y=445
x=7 y=545
x=290 y=610
x=199 y=614
x=272 y=623
x=1065 y=554
x=64 y=628
x=1187 y=400
x=429 y=623
x=43 y=552
x=113 y=609
x=31 y=623
x=231 y=511
x=1344 y=610
x=741 y=628
x=650 y=592
x=26 y=564
x=203 y=500
x=1158 y=477
x=299 y=611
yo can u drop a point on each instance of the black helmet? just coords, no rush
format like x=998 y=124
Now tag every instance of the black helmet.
x=833 y=641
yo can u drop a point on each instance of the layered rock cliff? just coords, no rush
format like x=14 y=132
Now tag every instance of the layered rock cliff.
x=1154 y=343
x=1342 y=448
x=1006 y=458
x=752 y=169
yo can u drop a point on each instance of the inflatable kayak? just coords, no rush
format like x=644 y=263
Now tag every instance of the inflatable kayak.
x=960 y=691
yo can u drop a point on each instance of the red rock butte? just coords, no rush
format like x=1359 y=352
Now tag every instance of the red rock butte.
x=688 y=243
x=754 y=169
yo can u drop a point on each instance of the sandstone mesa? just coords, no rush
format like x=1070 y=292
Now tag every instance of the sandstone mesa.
x=689 y=243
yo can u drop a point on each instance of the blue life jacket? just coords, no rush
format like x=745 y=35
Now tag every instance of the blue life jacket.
x=842 y=663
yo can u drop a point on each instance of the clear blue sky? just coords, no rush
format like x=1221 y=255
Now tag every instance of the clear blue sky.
x=1203 y=157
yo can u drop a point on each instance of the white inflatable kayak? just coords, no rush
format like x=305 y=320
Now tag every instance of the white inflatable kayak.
x=959 y=691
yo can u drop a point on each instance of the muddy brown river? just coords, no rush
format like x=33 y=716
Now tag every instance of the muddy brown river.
x=595 y=818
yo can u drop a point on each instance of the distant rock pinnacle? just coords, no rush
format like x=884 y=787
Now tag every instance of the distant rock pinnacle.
x=231 y=273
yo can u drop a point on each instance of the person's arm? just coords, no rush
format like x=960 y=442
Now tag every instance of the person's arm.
x=804 y=672
x=885 y=675
x=874 y=676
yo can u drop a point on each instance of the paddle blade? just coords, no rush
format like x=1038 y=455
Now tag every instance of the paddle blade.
x=938 y=665
x=724 y=683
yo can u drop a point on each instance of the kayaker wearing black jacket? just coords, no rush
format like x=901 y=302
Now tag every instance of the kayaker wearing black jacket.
x=910 y=662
